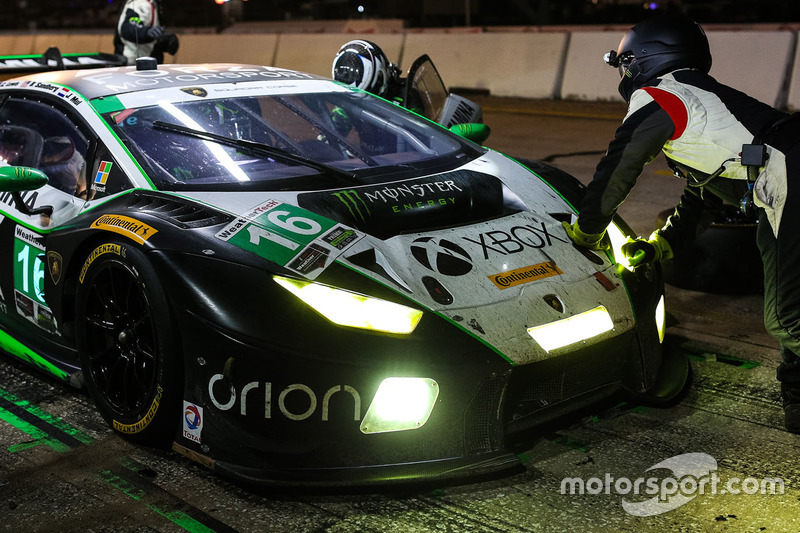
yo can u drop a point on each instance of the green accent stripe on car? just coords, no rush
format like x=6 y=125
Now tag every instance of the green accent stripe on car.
x=107 y=104
x=20 y=351
x=110 y=130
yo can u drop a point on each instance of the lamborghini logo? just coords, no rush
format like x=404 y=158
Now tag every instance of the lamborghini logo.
x=54 y=265
x=195 y=91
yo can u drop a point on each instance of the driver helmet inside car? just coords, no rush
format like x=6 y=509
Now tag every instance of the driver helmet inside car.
x=362 y=64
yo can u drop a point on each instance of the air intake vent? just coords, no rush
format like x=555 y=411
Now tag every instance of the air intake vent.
x=182 y=213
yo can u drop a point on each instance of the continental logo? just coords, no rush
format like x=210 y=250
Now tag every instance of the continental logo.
x=526 y=274
x=138 y=427
x=126 y=226
x=108 y=248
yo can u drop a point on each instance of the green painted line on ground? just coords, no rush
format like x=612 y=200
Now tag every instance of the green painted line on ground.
x=47 y=417
x=183 y=520
x=706 y=357
x=39 y=436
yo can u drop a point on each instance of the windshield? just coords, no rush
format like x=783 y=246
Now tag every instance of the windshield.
x=353 y=132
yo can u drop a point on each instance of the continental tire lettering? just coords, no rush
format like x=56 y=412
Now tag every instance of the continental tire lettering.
x=526 y=274
x=126 y=226
x=252 y=392
x=131 y=429
x=108 y=248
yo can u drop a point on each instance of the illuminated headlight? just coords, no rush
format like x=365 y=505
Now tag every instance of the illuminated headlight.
x=661 y=319
x=617 y=240
x=574 y=329
x=400 y=404
x=351 y=309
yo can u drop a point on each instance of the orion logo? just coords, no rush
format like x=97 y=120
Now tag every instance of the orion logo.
x=441 y=256
x=355 y=204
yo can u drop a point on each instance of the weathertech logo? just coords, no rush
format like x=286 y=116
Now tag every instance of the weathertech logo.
x=526 y=274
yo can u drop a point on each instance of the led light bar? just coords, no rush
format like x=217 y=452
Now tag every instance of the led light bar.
x=574 y=329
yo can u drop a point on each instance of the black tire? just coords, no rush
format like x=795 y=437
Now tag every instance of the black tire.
x=673 y=382
x=127 y=346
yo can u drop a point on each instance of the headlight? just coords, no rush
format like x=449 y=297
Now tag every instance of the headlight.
x=351 y=309
x=661 y=319
x=400 y=404
x=617 y=240
x=573 y=329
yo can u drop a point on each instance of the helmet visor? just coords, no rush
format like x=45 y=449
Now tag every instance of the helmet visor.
x=349 y=69
x=622 y=62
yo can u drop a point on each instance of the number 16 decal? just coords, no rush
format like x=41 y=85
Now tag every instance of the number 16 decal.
x=282 y=232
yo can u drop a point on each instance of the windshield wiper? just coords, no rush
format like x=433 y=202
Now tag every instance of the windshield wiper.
x=258 y=149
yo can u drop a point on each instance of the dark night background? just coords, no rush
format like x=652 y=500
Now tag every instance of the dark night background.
x=95 y=14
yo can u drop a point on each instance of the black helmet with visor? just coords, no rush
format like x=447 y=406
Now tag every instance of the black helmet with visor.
x=657 y=46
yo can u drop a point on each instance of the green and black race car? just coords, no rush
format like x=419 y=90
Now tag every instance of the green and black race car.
x=294 y=282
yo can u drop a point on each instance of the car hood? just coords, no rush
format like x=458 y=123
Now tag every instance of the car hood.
x=482 y=246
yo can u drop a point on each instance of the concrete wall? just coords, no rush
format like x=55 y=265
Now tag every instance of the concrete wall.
x=506 y=64
x=521 y=62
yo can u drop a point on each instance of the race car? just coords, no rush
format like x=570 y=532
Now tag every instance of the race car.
x=294 y=282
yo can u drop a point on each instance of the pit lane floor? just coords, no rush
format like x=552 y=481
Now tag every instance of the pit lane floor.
x=61 y=469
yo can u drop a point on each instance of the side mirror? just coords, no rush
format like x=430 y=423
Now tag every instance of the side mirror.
x=18 y=179
x=474 y=132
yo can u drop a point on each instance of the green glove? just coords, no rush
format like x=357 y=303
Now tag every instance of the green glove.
x=645 y=251
x=592 y=241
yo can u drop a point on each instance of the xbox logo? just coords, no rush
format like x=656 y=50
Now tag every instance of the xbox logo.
x=441 y=256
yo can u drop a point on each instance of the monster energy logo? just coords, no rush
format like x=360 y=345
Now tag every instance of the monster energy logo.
x=355 y=204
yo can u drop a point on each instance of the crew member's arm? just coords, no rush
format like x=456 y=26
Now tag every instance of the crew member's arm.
x=637 y=141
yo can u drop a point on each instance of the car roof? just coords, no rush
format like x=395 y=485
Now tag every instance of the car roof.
x=101 y=82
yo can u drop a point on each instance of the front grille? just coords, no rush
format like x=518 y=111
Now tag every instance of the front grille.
x=182 y=213
x=560 y=378
x=482 y=421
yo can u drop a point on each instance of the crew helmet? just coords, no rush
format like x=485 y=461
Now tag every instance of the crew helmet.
x=362 y=64
x=657 y=46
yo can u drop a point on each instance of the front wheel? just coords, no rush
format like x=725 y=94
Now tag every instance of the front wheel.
x=127 y=347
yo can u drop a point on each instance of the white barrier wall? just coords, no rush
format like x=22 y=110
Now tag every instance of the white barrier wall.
x=254 y=49
x=507 y=64
x=314 y=53
x=586 y=75
x=563 y=63
x=755 y=62
x=793 y=83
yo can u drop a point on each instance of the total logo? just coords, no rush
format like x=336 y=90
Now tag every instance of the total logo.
x=442 y=256
x=192 y=421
